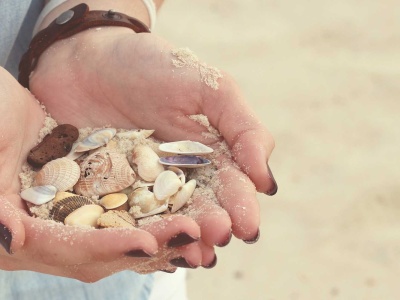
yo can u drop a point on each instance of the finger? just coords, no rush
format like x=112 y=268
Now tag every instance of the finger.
x=209 y=258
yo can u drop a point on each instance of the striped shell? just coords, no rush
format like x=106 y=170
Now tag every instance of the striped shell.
x=66 y=206
x=62 y=173
x=104 y=172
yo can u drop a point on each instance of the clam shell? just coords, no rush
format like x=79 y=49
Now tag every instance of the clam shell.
x=96 y=139
x=183 y=195
x=166 y=184
x=117 y=201
x=134 y=134
x=178 y=172
x=62 y=173
x=184 y=161
x=104 y=172
x=39 y=195
x=86 y=215
x=147 y=162
x=143 y=198
x=137 y=213
x=116 y=219
x=64 y=207
x=72 y=155
x=186 y=148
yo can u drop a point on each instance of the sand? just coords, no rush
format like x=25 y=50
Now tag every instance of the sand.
x=324 y=77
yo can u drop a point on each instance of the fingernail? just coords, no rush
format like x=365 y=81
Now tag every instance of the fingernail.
x=226 y=241
x=272 y=191
x=181 y=263
x=181 y=239
x=5 y=238
x=212 y=264
x=253 y=240
x=138 y=253
x=169 y=271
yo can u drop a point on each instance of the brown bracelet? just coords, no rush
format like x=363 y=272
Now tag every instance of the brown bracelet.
x=70 y=22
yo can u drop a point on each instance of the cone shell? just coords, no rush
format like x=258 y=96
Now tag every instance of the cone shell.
x=64 y=207
x=147 y=162
x=62 y=173
x=86 y=215
x=116 y=219
x=166 y=184
x=117 y=201
x=104 y=172
x=96 y=139
x=182 y=196
x=39 y=195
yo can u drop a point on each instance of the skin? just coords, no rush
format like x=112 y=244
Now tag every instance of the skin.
x=115 y=76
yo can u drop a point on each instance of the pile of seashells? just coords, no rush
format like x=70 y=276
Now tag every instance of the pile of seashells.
x=92 y=182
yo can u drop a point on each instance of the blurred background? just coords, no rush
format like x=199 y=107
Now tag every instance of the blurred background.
x=324 y=77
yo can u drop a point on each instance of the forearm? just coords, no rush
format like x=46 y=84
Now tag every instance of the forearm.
x=133 y=8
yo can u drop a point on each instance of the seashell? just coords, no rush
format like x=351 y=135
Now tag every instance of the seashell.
x=144 y=199
x=72 y=155
x=117 y=201
x=134 y=134
x=111 y=145
x=186 y=148
x=139 y=184
x=39 y=195
x=166 y=184
x=64 y=207
x=184 y=161
x=62 y=195
x=62 y=173
x=104 y=172
x=86 y=215
x=178 y=172
x=147 y=162
x=183 y=195
x=96 y=139
x=137 y=213
x=116 y=219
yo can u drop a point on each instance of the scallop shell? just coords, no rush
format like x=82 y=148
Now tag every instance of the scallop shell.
x=184 y=161
x=86 y=215
x=182 y=196
x=116 y=219
x=39 y=195
x=166 y=184
x=134 y=134
x=96 y=139
x=62 y=173
x=64 y=207
x=147 y=162
x=117 y=201
x=186 y=148
x=104 y=172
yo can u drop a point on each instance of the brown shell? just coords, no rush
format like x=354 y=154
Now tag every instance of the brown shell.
x=64 y=207
x=104 y=172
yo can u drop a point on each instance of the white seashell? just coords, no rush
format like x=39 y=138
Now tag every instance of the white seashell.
x=144 y=199
x=96 y=139
x=134 y=134
x=111 y=145
x=39 y=195
x=183 y=195
x=147 y=162
x=186 y=148
x=104 y=172
x=139 y=184
x=137 y=213
x=178 y=172
x=166 y=184
x=184 y=161
x=86 y=215
x=62 y=173
x=117 y=201
x=72 y=155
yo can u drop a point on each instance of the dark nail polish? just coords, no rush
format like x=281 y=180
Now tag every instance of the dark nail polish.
x=169 y=271
x=272 y=191
x=5 y=238
x=181 y=239
x=138 y=253
x=212 y=264
x=181 y=263
x=226 y=241
x=253 y=240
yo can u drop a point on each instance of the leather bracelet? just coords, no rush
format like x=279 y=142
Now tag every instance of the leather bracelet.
x=70 y=22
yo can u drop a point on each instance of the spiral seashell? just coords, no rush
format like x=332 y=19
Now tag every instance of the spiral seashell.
x=185 y=148
x=147 y=162
x=104 y=172
x=86 y=215
x=96 y=139
x=116 y=219
x=62 y=173
x=182 y=196
x=64 y=207
x=166 y=184
x=39 y=195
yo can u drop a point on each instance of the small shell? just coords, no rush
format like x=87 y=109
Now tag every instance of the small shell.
x=136 y=212
x=116 y=219
x=117 y=201
x=134 y=134
x=62 y=173
x=86 y=215
x=166 y=184
x=64 y=207
x=39 y=195
x=96 y=139
x=62 y=195
x=178 y=172
x=111 y=145
x=147 y=162
x=184 y=161
x=143 y=198
x=186 y=148
x=183 y=195
x=72 y=155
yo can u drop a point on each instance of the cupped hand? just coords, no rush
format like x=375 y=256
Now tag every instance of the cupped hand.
x=113 y=76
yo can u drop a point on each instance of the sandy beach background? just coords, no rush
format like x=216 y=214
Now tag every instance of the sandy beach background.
x=324 y=77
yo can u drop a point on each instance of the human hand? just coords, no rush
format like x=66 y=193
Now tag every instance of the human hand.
x=113 y=76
